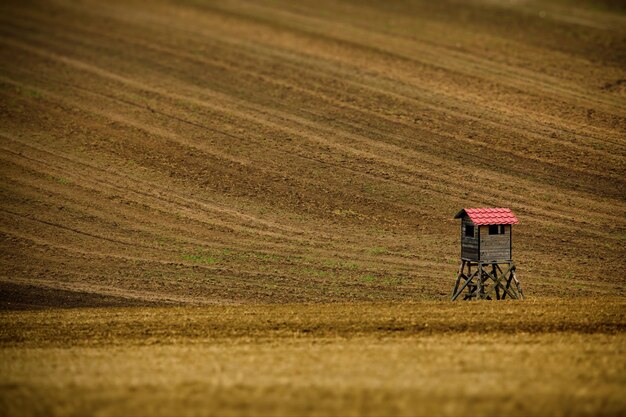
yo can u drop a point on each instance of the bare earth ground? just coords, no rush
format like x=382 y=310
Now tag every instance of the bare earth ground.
x=547 y=357
x=259 y=197
x=276 y=151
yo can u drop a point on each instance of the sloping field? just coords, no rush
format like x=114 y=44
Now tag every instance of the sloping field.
x=545 y=357
x=199 y=152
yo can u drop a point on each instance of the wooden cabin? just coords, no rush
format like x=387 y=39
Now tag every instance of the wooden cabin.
x=486 y=234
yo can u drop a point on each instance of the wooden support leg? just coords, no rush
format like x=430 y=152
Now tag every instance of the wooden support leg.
x=494 y=273
x=512 y=291
x=479 y=283
x=468 y=281
x=459 y=276
x=517 y=283
x=503 y=275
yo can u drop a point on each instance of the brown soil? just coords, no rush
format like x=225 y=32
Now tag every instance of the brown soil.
x=278 y=151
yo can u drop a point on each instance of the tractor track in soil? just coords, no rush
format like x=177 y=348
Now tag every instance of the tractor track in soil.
x=277 y=152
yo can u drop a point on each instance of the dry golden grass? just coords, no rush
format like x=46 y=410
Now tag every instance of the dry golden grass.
x=540 y=357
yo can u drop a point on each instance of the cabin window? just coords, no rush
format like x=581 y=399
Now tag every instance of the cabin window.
x=469 y=230
x=496 y=229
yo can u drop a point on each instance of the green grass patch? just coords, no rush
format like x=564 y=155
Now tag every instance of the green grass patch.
x=204 y=259
x=368 y=278
x=58 y=180
x=377 y=251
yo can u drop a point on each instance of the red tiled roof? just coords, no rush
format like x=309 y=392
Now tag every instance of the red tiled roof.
x=488 y=215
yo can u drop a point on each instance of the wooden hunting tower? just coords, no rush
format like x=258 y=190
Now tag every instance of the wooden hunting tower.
x=486 y=245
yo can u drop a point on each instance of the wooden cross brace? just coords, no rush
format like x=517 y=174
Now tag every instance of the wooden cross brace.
x=484 y=284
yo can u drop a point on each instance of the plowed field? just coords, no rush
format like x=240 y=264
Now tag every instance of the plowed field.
x=273 y=151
